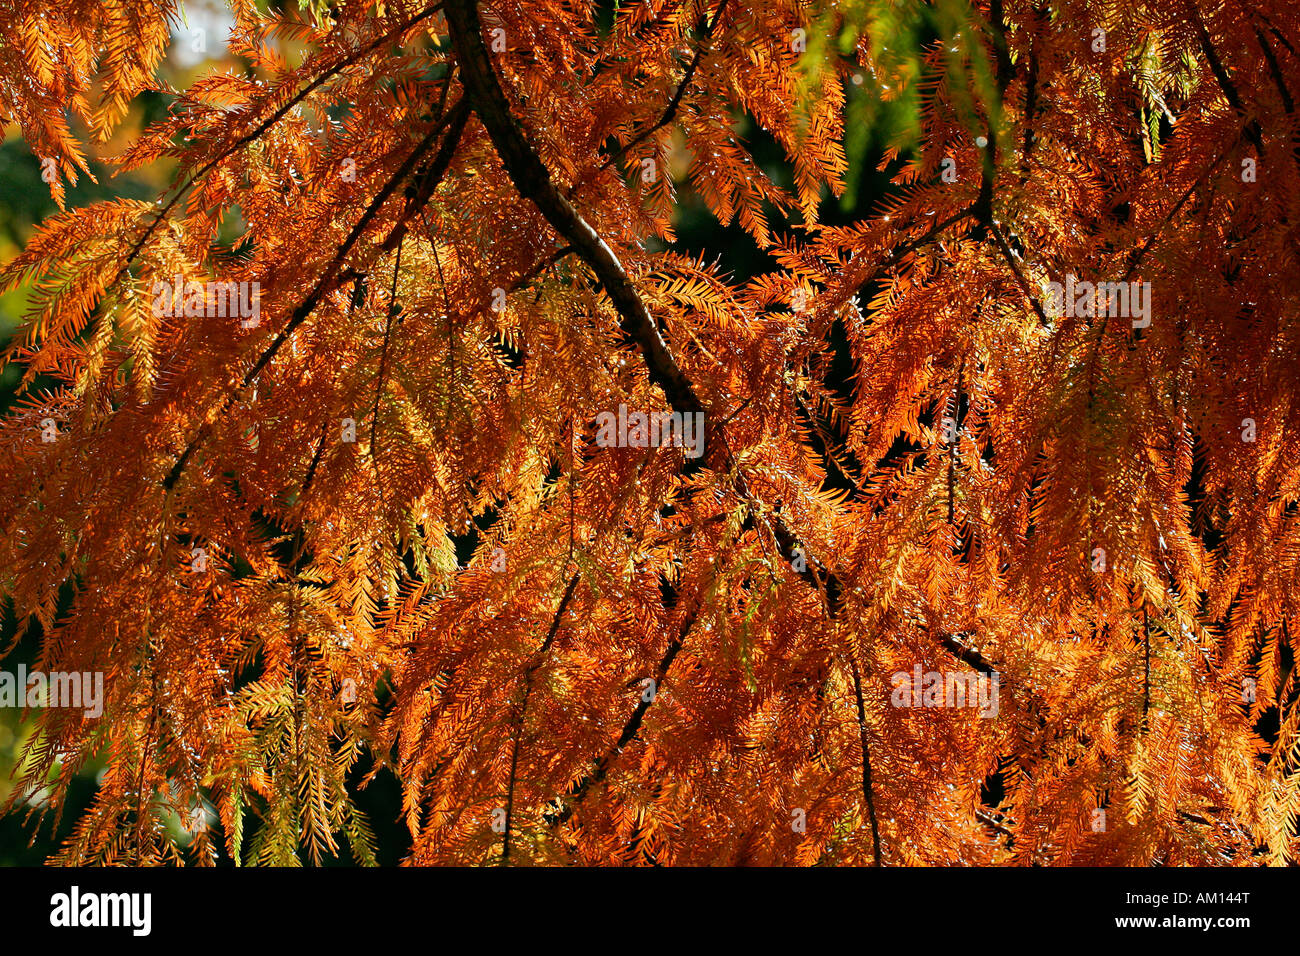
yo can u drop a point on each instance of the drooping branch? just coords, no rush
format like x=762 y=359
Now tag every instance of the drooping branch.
x=389 y=319
x=863 y=276
x=422 y=189
x=1283 y=92
x=517 y=729
x=631 y=727
x=533 y=180
x=270 y=121
x=1005 y=250
x=967 y=655
x=674 y=104
x=952 y=448
x=334 y=276
x=1139 y=253
x=453 y=122
x=1041 y=24
x=1146 y=663
x=868 y=796
x=1003 y=71
x=1253 y=131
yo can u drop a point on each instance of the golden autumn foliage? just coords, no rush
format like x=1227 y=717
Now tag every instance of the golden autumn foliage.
x=374 y=517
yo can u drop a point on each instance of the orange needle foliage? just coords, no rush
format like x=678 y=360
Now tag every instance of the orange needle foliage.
x=375 y=518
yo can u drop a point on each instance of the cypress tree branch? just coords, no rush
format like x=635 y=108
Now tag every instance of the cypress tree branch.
x=670 y=112
x=868 y=797
x=270 y=121
x=631 y=727
x=1253 y=130
x=533 y=180
x=518 y=728
x=453 y=121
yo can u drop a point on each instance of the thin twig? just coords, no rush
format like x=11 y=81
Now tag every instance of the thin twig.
x=673 y=104
x=383 y=361
x=631 y=727
x=267 y=124
x=868 y=797
x=518 y=727
x=329 y=280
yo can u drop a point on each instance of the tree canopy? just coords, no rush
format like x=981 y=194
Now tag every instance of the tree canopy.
x=367 y=447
